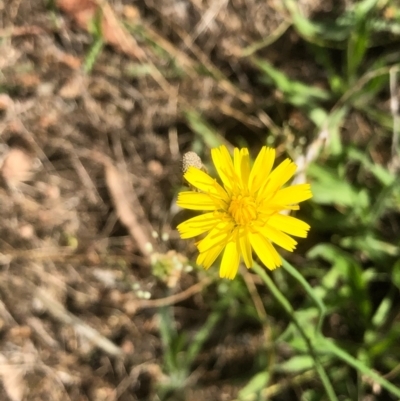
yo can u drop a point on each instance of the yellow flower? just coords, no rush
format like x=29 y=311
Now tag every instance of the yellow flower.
x=246 y=212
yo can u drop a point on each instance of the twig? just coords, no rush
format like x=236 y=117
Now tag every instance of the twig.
x=173 y=299
x=21 y=31
x=123 y=206
x=126 y=203
x=206 y=19
x=172 y=131
x=93 y=194
x=312 y=152
x=257 y=301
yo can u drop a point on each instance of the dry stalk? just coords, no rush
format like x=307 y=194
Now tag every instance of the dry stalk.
x=173 y=299
x=21 y=31
x=61 y=314
x=124 y=209
x=126 y=204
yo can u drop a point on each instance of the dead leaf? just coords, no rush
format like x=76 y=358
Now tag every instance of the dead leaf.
x=29 y=80
x=123 y=205
x=73 y=87
x=131 y=13
x=84 y=11
x=5 y=101
x=26 y=231
x=17 y=166
x=70 y=60
x=48 y=120
x=13 y=379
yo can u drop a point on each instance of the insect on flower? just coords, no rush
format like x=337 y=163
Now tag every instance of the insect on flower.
x=245 y=213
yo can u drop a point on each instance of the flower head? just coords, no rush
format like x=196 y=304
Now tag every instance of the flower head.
x=245 y=212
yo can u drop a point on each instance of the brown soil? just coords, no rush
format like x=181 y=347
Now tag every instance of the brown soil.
x=90 y=169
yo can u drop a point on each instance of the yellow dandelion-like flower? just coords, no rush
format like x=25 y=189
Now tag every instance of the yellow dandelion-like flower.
x=246 y=212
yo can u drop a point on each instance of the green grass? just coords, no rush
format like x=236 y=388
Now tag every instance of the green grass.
x=350 y=273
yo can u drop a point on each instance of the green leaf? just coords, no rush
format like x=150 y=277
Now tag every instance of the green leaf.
x=302 y=24
x=137 y=70
x=381 y=173
x=346 y=266
x=310 y=395
x=334 y=124
x=371 y=246
x=318 y=116
x=329 y=189
x=93 y=54
x=329 y=346
x=296 y=92
x=362 y=8
x=382 y=312
x=309 y=290
x=202 y=335
x=381 y=344
x=254 y=387
x=297 y=364
x=202 y=128
x=396 y=274
x=357 y=46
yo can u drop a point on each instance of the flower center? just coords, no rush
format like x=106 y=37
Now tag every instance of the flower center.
x=243 y=209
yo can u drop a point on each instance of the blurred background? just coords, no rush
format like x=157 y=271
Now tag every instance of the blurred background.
x=99 y=100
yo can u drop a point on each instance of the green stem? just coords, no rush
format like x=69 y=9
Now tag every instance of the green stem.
x=289 y=310
x=329 y=345
x=309 y=290
x=323 y=344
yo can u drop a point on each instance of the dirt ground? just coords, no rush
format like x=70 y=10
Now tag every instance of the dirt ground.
x=90 y=165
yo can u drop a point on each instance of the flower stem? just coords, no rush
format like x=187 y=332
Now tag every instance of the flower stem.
x=309 y=290
x=289 y=310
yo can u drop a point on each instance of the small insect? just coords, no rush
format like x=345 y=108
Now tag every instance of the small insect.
x=192 y=159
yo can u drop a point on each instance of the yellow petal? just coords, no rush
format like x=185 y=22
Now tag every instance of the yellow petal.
x=241 y=162
x=207 y=258
x=195 y=201
x=293 y=194
x=223 y=163
x=230 y=261
x=265 y=251
x=197 y=225
x=220 y=234
x=279 y=176
x=245 y=247
x=261 y=168
x=202 y=181
x=258 y=192
x=289 y=225
x=278 y=237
